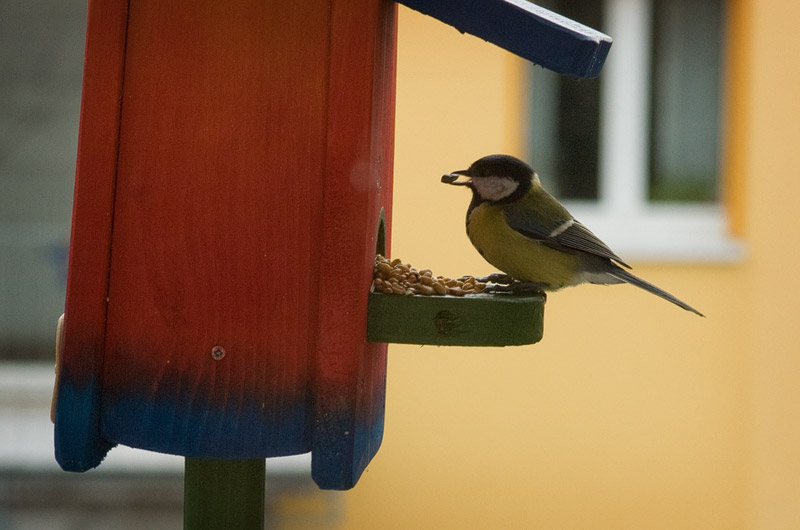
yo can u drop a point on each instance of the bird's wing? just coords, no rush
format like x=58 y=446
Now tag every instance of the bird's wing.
x=567 y=234
x=577 y=236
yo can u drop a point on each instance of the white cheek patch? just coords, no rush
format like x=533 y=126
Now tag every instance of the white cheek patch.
x=495 y=188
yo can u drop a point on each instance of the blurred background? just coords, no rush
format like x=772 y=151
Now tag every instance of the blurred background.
x=629 y=414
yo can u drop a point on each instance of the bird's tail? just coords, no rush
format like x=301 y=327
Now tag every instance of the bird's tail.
x=627 y=277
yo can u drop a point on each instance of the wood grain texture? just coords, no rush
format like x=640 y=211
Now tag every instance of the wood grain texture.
x=521 y=27
x=78 y=442
x=350 y=374
x=473 y=320
x=218 y=208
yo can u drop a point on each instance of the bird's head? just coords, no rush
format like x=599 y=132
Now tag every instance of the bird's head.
x=495 y=178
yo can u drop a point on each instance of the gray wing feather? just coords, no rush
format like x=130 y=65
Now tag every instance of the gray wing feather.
x=575 y=237
x=579 y=237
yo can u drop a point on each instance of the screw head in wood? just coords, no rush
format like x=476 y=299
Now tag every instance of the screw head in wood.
x=217 y=353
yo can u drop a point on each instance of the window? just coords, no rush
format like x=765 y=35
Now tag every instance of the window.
x=635 y=153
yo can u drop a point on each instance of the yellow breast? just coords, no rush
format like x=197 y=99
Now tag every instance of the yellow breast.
x=517 y=255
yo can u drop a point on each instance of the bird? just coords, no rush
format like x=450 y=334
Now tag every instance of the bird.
x=518 y=227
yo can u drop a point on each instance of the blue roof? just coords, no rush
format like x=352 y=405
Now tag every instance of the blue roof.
x=532 y=32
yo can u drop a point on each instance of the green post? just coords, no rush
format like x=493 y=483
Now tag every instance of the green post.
x=223 y=494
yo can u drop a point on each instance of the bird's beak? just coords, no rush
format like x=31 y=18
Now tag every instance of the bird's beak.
x=452 y=178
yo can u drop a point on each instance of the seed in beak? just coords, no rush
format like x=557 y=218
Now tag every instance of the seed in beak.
x=451 y=178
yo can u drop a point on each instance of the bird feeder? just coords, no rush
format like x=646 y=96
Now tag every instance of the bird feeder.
x=233 y=186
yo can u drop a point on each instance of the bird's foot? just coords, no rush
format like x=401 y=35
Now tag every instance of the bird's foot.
x=516 y=287
x=496 y=278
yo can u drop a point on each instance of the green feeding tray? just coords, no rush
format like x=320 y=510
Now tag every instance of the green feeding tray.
x=501 y=319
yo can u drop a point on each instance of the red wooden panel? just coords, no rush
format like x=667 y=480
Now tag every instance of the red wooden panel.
x=78 y=444
x=240 y=186
x=219 y=203
x=351 y=373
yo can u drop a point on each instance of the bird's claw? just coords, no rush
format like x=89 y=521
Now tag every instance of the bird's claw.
x=517 y=288
x=497 y=278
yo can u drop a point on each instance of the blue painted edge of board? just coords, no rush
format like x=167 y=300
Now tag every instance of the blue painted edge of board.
x=525 y=29
x=344 y=446
x=196 y=428
x=79 y=445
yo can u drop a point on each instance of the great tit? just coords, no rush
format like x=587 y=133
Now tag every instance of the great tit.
x=525 y=232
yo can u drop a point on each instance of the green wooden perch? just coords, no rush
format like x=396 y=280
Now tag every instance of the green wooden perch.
x=473 y=320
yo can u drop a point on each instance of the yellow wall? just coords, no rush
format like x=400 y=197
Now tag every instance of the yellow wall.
x=630 y=414
x=773 y=235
